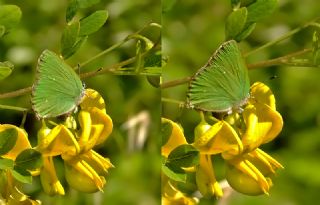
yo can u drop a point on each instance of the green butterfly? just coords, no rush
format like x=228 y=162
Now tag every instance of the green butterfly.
x=58 y=89
x=221 y=85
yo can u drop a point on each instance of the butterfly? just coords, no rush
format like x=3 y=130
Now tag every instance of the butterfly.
x=222 y=84
x=58 y=89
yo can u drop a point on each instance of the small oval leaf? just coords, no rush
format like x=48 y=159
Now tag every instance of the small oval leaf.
x=69 y=39
x=72 y=9
x=6 y=163
x=29 y=159
x=183 y=156
x=22 y=175
x=10 y=16
x=245 y=33
x=260 y=9
x=166 y=130
x=93 y=23
x=8 y=139
x=236 y=22
x=5 y=69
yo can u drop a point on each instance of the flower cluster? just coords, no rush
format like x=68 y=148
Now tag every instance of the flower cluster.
x=85 y=169
x=237 y=137
x=10 y=192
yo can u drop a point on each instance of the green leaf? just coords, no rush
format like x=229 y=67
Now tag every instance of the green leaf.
x=10 y=16
x=166 y=130
x=260 y=9
x=180 y=177
x=6 y=163
x=183 y=156
x=29 y=159
x=2 y=30
x=8 y=139
x=245 y=33
x=236 y=22
x=76 y=47
x=87 y=3
x=5 y=69
x=72 y=9
x=69 y=39
x=93 y=23
x=22 y=175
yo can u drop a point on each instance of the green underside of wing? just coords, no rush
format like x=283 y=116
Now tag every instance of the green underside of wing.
x=58 y=89
x=223 y=83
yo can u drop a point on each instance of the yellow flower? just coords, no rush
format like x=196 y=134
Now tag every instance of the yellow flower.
x=172 y=196
x=85 y=168
x=21 y=144
x=175 y=139
x=239 y=137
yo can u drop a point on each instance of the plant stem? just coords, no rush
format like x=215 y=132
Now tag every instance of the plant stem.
x=278 y=61
x=8 y=107
x=16 y=93
x=287 y=35
x=111 y=69
x=169 y=100
x=175 y=82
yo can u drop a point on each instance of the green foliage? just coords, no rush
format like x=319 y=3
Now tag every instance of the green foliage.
x=92 y=23
x=5 y=69
x=8 y=139
x=22 y=175
x=236 y=22
x=10 y=16
x=29 y=159
x=174 y=175
x=70 y=40
x=241 y=22
x=6 y=163
x=183 y=156
x=166 y=130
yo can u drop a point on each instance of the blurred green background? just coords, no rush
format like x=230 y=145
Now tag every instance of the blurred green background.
x=192 y=32
x=136 y=178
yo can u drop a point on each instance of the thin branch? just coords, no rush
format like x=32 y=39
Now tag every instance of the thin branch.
x=278 y=61
x=16 y=93
x=174 y=83
x=110 y=69
x=8 y=107
x=287 y=35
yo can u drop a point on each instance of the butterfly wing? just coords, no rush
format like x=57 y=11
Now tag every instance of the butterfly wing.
x=58 y=89
x=223 y=83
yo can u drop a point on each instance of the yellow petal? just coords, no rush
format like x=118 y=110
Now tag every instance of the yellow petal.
x=220 y=138
x=262 y=94
x=92 y=99
x=175 y=139
x=49 y=180
x=97 y=162
x=85 y=124
x=100 y=118
x=248 y=168
x=263 y=125
x=205 y=178
x=60 y=141
x=22 y=142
